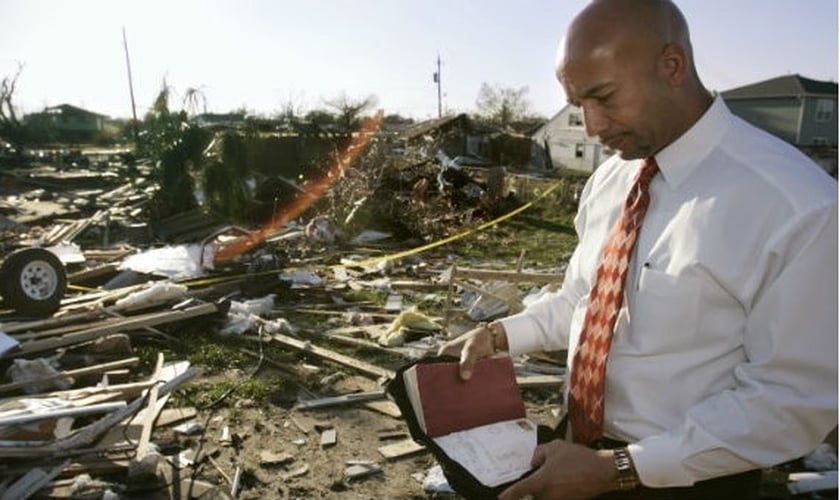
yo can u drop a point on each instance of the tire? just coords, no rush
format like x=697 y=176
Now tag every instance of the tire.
x=33 y=281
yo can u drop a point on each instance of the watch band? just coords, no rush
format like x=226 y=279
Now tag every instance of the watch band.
x=495 y=333
x=628 y=478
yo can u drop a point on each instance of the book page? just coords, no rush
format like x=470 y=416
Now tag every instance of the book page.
x=494 y=453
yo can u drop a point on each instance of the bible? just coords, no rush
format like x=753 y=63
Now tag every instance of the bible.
x=479 y=423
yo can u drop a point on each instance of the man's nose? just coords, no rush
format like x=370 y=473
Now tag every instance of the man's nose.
x=594 y=120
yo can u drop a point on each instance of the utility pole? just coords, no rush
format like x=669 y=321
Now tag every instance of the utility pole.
x=130 y=87
x=437 y=80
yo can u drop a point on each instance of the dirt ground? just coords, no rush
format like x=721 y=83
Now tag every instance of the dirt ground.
x=305 y=468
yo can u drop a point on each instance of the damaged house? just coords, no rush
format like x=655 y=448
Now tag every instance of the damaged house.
x=468 y=142
x=562 y=143
x=67 y=123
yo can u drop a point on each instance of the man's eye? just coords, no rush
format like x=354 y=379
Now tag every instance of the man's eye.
x=603 y=98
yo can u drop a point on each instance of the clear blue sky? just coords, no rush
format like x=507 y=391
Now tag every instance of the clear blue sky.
x=262 y=54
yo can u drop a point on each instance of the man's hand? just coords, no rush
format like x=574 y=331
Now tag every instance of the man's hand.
x=470 y=347
x=568 y=471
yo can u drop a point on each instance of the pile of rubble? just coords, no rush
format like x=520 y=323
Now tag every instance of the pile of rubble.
x=82 y=410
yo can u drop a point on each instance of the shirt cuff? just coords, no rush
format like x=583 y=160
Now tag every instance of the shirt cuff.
x=523 y=342
x=658 y=463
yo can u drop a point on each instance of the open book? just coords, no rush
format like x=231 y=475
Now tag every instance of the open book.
x=480 y=423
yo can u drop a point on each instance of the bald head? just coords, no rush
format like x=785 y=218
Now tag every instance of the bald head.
x=629 y=65
x=626 y=29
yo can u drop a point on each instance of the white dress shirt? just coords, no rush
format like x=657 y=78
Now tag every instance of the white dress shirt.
x=724 y=357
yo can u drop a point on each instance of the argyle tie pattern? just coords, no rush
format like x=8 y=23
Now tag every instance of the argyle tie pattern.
x=586 y=383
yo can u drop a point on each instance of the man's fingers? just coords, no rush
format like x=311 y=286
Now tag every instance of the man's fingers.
x=466 y=364
x=539 y=456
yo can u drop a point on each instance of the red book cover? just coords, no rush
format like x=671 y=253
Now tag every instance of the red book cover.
x=448 y=404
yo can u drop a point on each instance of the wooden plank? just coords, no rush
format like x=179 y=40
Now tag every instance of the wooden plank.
x=89 y=395
x=343 y=399
x=386 y=407
x=329 y=437
x=19 y=418
x=341 y=359
x=87 y=434
x=139 y=465
x=401 y=449
x=89 y=370
x=131 y=323
x=486 y=274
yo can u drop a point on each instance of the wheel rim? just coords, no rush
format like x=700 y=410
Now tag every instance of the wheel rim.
x=38 y=280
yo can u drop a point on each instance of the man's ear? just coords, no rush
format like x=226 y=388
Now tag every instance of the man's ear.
x=673 y=64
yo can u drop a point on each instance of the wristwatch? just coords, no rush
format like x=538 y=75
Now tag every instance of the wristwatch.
x=495 y=332
x=628 y=478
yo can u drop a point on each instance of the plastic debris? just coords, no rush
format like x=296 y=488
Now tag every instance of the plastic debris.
x=406 y=320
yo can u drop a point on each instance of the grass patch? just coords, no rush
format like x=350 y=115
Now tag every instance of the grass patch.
x=545 y=233
x=261 y=390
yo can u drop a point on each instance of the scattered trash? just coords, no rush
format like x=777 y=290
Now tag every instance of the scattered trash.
x=173 y=262
x=435 y=482
x=405 y=321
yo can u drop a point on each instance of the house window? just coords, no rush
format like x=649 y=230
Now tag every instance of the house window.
x=825 y=108
x=819 y=141
x=579 y=149
x=575 y=120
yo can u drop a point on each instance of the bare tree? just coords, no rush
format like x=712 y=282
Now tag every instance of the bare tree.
x=194 y=97
x=349 y=111
x=8 y=114
x=291 y=110
x=502 y=106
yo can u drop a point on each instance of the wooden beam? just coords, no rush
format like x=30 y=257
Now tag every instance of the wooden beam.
x=131 y=323
x=486 y=274
x=344 y=399
x=139 y=465
x=339 y=358
x=79 y=372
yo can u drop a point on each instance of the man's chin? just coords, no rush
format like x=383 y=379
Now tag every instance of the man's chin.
x=630 y=155
x=634 y=154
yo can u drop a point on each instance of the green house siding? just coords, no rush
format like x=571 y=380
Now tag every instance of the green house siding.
x=780 y=116
x=818 y=129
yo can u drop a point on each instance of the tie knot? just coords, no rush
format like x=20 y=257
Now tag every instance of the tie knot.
x=649 y=170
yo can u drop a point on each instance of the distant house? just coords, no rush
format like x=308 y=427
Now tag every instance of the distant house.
x=220 y=120
x=799 y=110
x=67 y=122
x=562 y=143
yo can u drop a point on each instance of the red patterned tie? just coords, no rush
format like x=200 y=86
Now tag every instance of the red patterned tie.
x=586 y=385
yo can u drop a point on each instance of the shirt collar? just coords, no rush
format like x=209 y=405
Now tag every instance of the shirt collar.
x=680 y=158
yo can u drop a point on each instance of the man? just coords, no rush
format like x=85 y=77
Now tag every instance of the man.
x=723 y=354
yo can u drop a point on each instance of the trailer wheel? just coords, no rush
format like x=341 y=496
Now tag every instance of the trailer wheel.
x=33 y=281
